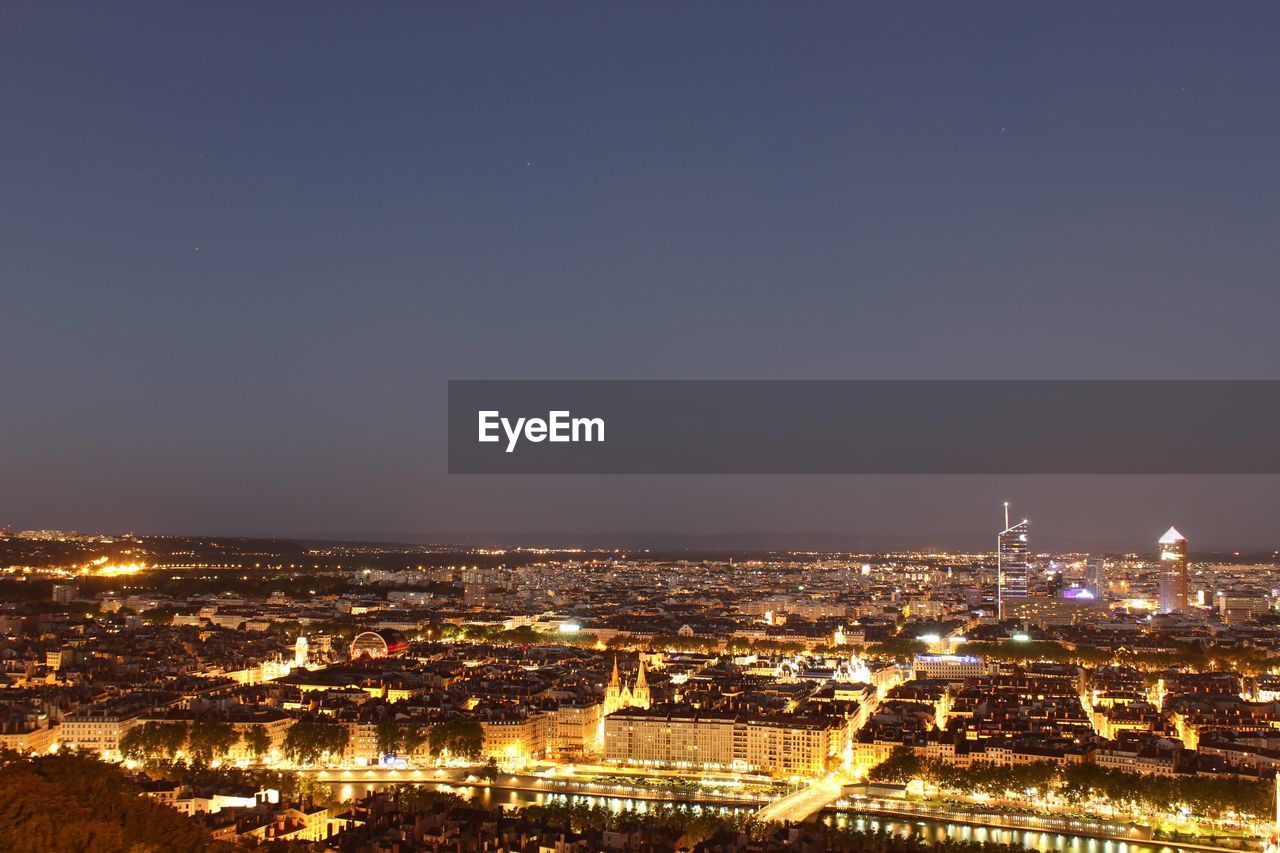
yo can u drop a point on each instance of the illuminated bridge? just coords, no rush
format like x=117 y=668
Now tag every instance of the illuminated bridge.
x=799 y=805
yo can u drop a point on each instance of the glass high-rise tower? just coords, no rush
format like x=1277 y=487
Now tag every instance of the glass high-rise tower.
x=1013 y=562
x=1173 y=571
x=1095 y=576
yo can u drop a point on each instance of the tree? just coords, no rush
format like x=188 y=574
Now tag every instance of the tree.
x=463 y=738
x=394 y=738
x=210 y=739
x=299 y=787
x=900 y=767
x=412 y=799
x=134 y=744
x=523 y=635
x=388 y=737
x=412 y=739
x=154 y=741
x=258 y=742
x=676 y=643
x=159 y=615
x=897 y=647
x=71 y=802
x=310 y=740
x=170 y=738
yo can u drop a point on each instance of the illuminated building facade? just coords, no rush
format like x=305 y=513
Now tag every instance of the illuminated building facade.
x=1073 y=606
x=518 y=738
x=579 y=731
x=97 y=729
x=65 y=593
x=1173 y=571
x=952 y=668
x=1095 y=577
x=619 y=695
x=1013 y=562
x=682 y=737
x=378 y=644
x=1241 y=606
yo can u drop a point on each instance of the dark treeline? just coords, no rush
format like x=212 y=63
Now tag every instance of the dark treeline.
x=72 y=803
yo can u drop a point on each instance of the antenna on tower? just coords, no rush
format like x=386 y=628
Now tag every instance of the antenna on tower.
x=1006 y=515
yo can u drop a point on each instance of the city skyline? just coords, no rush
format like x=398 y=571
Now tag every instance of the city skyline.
x=793 y=692
x=744 y=541
x=1012 y=552
x=515 y=425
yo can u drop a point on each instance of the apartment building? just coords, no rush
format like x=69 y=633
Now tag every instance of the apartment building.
x=683 y=737
x=519 y=737
x=97 y=729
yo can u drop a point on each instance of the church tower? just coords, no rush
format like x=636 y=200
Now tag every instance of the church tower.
x=613 y=693
x=640 y=695
x=618 y=695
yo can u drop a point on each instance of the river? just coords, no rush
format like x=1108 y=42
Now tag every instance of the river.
x=929 y=829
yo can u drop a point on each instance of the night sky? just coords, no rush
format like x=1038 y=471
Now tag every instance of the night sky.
x=243 y=246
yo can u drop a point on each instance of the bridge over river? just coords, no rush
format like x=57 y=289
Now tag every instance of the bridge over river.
x=800 y=805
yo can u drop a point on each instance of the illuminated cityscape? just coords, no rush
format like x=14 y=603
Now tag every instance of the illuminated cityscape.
x=516 y=426
x=286 y=690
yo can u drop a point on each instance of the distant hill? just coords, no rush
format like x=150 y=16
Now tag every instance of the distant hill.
x=965 y=541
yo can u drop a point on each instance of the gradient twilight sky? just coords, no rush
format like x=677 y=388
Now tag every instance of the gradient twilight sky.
x=243 y=246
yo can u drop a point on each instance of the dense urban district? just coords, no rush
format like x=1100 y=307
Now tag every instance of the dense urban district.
x=168 y=693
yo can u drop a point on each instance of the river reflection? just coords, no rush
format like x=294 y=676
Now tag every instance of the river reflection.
x=508 y=798
x=926 y=829
x=941 y=830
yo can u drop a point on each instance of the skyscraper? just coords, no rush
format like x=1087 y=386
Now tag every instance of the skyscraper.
x=1095 y=576
x=1173 y=571
x=1012 y=561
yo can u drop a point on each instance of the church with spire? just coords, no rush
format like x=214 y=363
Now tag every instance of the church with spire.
x=619 y=695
